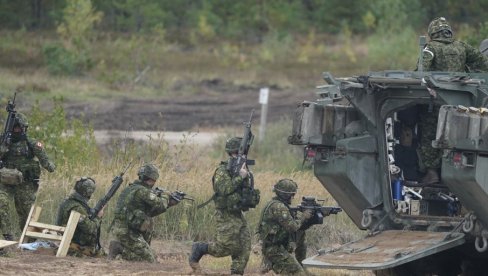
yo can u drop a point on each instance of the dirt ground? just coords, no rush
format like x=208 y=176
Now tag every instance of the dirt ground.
x=172 y=259
x=215 y=103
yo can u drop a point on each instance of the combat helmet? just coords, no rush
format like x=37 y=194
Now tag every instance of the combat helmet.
x=437 y=25
x=285 y=189
x=148 y=171
x=21 y=120
x=233 y=144
x=85 y=186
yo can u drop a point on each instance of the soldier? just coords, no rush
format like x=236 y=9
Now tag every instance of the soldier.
x=85 y=240
x=443 y=53
x=133 y=223
x=233 y=237
x=23 y=154
x=281 y=233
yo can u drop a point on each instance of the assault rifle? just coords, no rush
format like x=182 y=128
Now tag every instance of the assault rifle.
x=319 y=211
x=9 y=123
x=236 y=164
x=116 y=182
x=176 y=195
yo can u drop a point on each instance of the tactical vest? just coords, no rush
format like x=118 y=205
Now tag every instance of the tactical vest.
x=127 y=214
x=20 y=156
x=240 y=199
x=269 y=230
x=64 y=210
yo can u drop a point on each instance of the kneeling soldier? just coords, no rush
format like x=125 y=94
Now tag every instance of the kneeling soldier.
x=133 y=223
x=281 y=233
x=85 y=239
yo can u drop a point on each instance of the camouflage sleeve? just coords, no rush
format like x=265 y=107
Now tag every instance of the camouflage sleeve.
x=475 y=60
x=283 y=216
x=85 y=224
x=427 y=57
x=157 y=204
x=226 y=184
x=40 y=153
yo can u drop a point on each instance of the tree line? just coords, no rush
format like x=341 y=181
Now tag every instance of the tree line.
x=243 y=19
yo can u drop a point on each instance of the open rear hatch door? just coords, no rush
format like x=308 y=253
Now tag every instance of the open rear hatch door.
x=386 y=249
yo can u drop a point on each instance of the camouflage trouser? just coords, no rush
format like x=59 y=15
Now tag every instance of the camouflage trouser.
x=431 y=157
x=5 y=203
x=301 y=247
x=233 y=239
x=282 y=261
x=135 y=247
x=77 y=250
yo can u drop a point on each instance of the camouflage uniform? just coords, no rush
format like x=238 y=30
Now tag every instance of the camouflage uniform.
x=25 y=155
x=233 y=237
x=133 y=225
x=280 y=235
x=443 y=53
x=85 y=238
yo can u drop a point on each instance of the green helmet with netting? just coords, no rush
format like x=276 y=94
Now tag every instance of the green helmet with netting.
x=85 y=187
x=232 y=145
x=286 y=186
x=148 y=171
x=285 y=189
x=21 y=120
x=437 y=25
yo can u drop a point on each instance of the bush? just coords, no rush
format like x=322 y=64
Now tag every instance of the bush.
x=61 y=61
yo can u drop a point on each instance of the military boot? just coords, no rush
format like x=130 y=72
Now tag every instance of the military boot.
x=197 y=251
x=430 y=177
x=114 y=249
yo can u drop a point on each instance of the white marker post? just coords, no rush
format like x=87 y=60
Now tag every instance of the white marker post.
x=263 y=100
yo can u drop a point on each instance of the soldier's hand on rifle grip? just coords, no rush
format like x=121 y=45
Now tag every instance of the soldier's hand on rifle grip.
x=243 y=172
x=172 y=202
x=100 y=213
x=51 y=167
x=307 y=214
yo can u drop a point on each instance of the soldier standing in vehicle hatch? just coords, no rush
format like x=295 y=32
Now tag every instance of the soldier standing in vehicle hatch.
x=442 y=53
x=25 y=155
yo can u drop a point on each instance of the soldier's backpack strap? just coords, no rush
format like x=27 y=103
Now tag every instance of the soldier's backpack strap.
x=263 y=212
x=215 y=194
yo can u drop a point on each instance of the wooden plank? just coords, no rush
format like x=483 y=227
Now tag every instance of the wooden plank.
x=74 y=217
x=29 y=217
x=43 y=236
x=47 y=226
x=4 y=243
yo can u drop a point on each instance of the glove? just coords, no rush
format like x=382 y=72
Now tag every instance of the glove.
x=50 y=166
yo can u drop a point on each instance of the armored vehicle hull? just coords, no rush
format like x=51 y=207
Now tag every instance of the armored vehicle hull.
x=366 y=135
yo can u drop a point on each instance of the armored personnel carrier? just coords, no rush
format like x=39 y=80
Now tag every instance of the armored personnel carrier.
x=363 y=136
